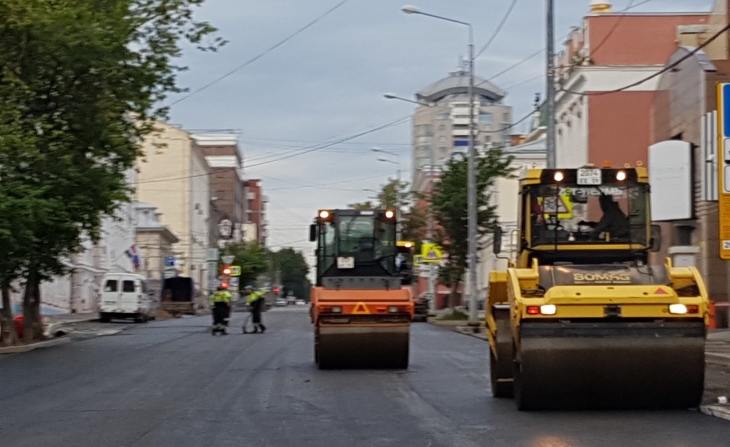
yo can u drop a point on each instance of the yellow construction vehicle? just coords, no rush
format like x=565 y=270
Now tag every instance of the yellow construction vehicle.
x=581 y=318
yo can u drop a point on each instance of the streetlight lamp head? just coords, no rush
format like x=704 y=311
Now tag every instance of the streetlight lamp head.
x=389 y=96
x=410 y=9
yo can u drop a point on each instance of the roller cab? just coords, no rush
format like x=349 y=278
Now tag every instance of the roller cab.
x=580 y=318
x=361 y=310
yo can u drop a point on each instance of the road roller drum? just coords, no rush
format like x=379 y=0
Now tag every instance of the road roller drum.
x=610 y=366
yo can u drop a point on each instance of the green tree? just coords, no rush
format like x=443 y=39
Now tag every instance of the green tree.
x=362 y=206
x=251 y=257
x=293 y=270
x=80 y=84
x=413 y=219
x=450 y=205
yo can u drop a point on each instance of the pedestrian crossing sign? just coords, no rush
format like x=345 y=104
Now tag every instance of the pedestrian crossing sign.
x=431 y=253
x=361 y=309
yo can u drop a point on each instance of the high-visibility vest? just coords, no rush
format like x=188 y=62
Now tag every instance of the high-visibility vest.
x=221 y=296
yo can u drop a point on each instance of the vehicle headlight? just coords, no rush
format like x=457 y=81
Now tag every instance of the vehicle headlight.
x=677 y=309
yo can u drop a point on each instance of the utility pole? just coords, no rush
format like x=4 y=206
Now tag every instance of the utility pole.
x=472 y=185
x=550 y=88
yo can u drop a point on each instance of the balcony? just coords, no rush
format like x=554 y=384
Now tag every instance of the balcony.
x=460 y=132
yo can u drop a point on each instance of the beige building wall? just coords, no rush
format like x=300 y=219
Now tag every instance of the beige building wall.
x=174 y=177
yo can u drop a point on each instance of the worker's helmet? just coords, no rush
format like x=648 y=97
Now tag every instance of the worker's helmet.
x=249 y=287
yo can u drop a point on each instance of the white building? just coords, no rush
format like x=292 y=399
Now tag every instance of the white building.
x=441 y=125
x=78 y=291
x=505 y=195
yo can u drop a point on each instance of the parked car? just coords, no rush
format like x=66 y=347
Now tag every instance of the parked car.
x=125 y=295
x=280 y=302
x=301 y=303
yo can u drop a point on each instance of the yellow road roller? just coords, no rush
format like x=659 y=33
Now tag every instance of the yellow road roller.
x=582 y=318
x=361 y=309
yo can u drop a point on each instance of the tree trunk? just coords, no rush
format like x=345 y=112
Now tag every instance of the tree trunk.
x=8 y=336
x=31 y=309
x=452 y=295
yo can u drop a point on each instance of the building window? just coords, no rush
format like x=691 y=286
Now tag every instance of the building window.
x=485 y=117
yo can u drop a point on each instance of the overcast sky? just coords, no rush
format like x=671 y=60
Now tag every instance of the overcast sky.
x=329 y=82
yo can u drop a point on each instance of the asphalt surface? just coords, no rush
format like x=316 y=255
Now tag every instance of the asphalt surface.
x=170 y=383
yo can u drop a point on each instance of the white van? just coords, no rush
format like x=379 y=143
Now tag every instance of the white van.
x=125 y=295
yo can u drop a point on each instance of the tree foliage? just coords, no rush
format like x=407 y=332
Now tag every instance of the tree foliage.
x=293 y=269
x=251 y=257
x=450 y=204
x=363 y=206
x=80 y=84
x=413 y=219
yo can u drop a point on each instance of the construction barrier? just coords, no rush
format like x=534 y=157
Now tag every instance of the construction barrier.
x=719 y=314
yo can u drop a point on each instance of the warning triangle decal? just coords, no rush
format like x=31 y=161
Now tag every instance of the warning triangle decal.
x=432 y=255
x=361 y=308
x=660 y=291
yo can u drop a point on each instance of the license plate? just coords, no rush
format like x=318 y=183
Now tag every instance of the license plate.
x=346 y=263
x=589 y=176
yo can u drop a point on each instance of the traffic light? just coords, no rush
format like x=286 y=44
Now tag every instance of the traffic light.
x=224 y=284
x=226 y=270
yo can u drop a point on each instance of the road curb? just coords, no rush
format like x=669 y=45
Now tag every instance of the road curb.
x=718 y=411
x=27 y=348
x=722 y=359
x=463 y=330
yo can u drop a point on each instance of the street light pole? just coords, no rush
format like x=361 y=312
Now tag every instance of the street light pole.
x=550 y=72
x=430 y=235
x=471 y=173
x=397 y=186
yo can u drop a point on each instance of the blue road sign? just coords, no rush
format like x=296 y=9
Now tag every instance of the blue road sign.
x=169 y=261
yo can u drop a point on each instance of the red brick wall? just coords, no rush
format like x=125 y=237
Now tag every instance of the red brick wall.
x=620 y=128
x=636 y=40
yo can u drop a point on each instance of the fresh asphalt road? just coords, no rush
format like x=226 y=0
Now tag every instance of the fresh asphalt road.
x=170 y=383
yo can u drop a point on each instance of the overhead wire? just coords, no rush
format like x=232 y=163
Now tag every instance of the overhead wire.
x=324 y=146
x=264 y=53
x=307 y=150
x=498 y=29
x=652 y=76
x=542 y=50
x=328 y=142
